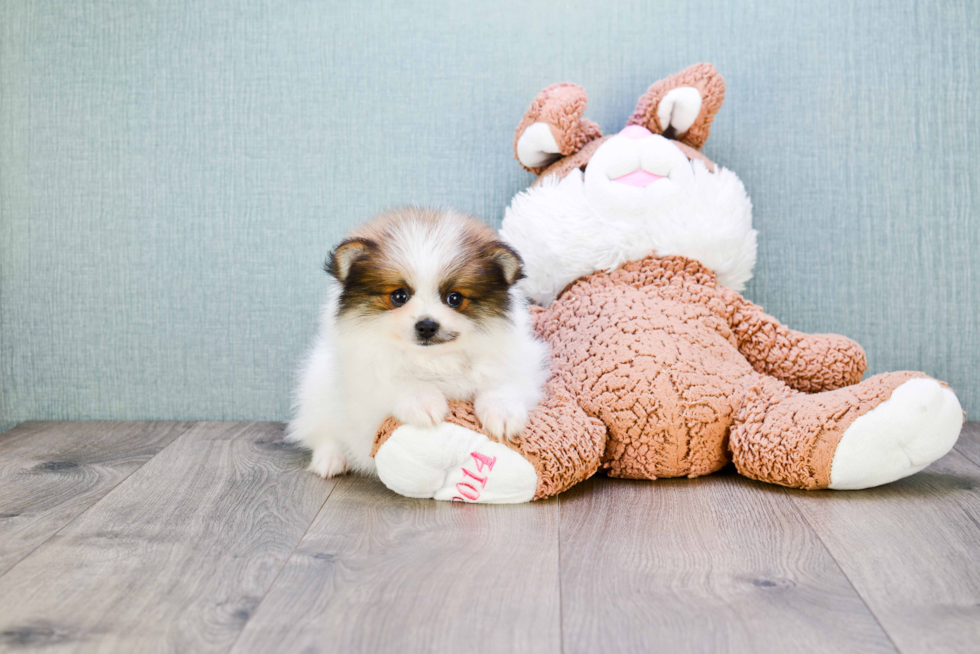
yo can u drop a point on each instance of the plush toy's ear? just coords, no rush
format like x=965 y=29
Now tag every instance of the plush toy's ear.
x=553 y=127
x=344 y=256
x=682 y=106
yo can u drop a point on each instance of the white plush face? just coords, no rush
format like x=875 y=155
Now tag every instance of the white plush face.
x=635 y=194
x=639 y=195
x=635 y=172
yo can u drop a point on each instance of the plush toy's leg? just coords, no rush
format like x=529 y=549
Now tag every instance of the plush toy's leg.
x=450 y=462
x=916 y=425
x=885 y=428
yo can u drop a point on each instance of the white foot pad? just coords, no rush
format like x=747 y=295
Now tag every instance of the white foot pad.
x=917 y=425
x=449 y=462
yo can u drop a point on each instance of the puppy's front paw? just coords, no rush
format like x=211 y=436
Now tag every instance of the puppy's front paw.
x=501 y=417
x=425 y=408
x=328 y=462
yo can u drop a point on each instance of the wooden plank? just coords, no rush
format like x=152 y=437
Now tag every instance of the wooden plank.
x=912 y=550
x=176 y=557
x=383 y=573
x=969 y=442
x=50 y=472
x=716 y=564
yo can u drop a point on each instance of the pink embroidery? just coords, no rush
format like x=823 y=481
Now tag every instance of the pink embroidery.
x=475 y=493
x=482 y=480
x=483 y=460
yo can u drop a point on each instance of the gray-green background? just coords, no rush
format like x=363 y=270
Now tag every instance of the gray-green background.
x=172 y=173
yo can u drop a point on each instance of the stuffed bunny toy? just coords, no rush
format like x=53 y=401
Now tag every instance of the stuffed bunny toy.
x=635 y=246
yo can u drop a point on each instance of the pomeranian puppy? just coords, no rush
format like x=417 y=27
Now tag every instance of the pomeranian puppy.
x=422 y=308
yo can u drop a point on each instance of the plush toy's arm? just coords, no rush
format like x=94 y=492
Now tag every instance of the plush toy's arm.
x=807 y=362
x=561 y=443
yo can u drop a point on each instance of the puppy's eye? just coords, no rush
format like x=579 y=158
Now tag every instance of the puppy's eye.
x=454 y=299
x=399 y=297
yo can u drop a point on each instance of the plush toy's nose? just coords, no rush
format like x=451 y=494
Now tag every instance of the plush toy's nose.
x=636 y=132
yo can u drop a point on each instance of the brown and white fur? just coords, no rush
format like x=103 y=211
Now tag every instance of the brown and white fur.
x=422 y=308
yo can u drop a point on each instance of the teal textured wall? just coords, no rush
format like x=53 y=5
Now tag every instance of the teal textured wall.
x=173 y=173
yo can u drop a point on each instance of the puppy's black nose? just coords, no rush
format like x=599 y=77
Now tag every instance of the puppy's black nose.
x=426 y=328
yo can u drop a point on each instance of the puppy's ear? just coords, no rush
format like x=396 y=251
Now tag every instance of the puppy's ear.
x=682 y=106
x=553 y=127
x=345 y=255
x=509 y=261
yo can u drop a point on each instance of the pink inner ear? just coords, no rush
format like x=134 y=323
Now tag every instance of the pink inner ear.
x=636 y=132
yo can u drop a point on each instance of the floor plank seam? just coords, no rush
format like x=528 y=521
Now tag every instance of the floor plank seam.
x=971 y=518
x=285 y=563
x=969 y=434
x=850 y=583
x=966 y=454
x=561 y=592
x=187 y=427
x=958 y=504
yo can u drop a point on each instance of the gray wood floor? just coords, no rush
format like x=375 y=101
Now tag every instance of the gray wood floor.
x=210 y=537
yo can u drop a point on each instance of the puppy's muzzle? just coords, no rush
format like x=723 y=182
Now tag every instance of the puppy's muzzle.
x=429 y=332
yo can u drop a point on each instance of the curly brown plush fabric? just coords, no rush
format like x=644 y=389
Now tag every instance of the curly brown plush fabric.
x=789 y=438
x=807 y=362
x=709 y=84
x=657 y=371
x=560 y=106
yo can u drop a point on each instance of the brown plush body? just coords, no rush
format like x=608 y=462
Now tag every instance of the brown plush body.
x=659 y=372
